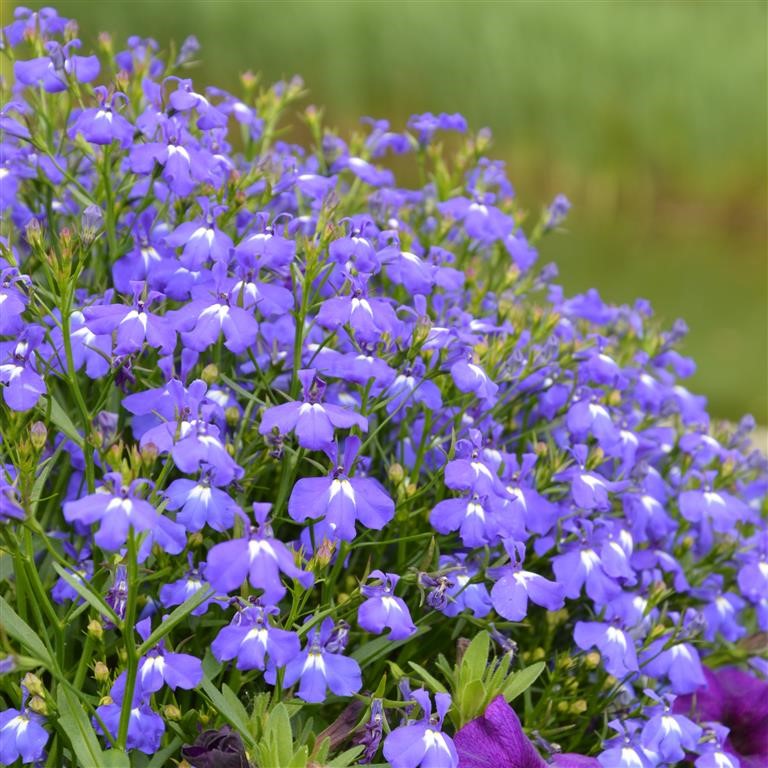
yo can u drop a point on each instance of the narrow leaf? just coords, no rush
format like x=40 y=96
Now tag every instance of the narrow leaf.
x=77 y=729
x=522 y=680
x=18 y=629
x=87 y=594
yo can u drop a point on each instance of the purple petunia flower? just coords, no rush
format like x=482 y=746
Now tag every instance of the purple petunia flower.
x=496 y=740
x=422 y=742
x=739 y=701
x=382 y=609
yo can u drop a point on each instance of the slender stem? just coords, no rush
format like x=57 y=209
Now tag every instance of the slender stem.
x=129 y=641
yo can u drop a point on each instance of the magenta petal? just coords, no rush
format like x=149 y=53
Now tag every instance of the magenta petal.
x=496 y=740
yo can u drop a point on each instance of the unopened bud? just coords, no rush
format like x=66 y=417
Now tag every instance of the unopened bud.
x=91 y=222
x=95 y=629
x=105 y=701
x=172 y=712
x=100 y=672
x=33 y=684
x=592 y=660
x=396 y=473
x=195 y=539
x=34 y=233
x=410 y=489
x=148 y=453
x=38 y=705
x=233 y=416
x=324 y=553
x=210 y=374
x=38 y=434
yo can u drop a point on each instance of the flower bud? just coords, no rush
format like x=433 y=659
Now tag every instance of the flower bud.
x=149 y=453
x=34 y=233
x=38 y=705
x=95 y=629
x=38 y=434
x=172 y=712
x=100 y=672
x=592 y=660
x=91 y=221
x=396 y=473
x=33 y=684
x=233 y=416
x=105 y=701
x=210 y=374
x=324 y=553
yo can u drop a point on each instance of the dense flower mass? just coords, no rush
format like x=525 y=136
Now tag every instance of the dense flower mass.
x=281 y=431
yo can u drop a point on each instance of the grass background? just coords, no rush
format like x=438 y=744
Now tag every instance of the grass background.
x=650 y=116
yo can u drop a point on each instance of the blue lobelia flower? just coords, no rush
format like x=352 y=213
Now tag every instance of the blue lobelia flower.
x=680 y=664
x=23 y=384
x=116 y=507
x=312 y=420
x=189 y=584
x=615 y=645
x=319 y=666
x=515 y=587
x=339 y=500
x=104 y=124
x=145 y=726
x=251 y=638
x=259 y=557
x=200 y=503
x=667 y=733
x=382 y=609
x=22 y=734
x=52 y=71
x=422 y=742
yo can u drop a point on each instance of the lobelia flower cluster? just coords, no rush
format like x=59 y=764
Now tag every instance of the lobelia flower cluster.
x=279 y=431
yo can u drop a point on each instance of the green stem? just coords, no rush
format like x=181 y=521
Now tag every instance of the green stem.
x=129 y=641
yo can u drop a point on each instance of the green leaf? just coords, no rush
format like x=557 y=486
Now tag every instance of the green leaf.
x=42 y=475
x=279 y=733
x=233 y=715
x=87 y=594
x=175 y=618
x=77 y=729
x=60 y=418
x=116 y=758
x=346 y=758
x=471 y=701
x=162 y=758
x=18 y=629
x=475 y=660
x=522 y=680
x=433 y=682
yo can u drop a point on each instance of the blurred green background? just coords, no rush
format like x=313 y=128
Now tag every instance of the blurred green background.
x=650 y=116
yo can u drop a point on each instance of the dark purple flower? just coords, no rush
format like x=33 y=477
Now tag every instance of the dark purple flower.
x=739 y=701
x=222 y=748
